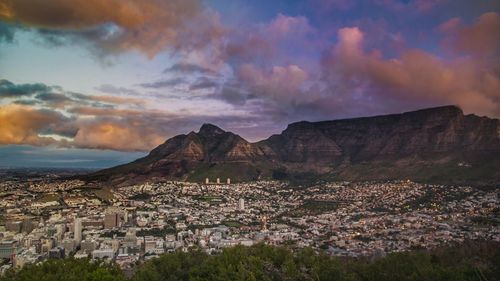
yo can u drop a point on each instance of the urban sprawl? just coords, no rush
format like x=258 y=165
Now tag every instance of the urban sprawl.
x=45 y=218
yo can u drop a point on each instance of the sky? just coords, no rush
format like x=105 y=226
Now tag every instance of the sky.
x=95 y=83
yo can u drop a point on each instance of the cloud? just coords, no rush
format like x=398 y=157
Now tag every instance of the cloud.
x=122 y=135
x=53 y=116
x=26 y=102
x=356 y=79
x=283 y=83
x=233 y=93
x=164 y=83
x=412 y=5
x=189 y=68
x=283 y=26
x=480 y=38
x=11 y=90
x=110 y=89
x=116 y=100
x=148 y=26
x=416 y=78
x=54 y=99
x=6 y=33
x=23 y=125
x=203 y=83
x=89 y=127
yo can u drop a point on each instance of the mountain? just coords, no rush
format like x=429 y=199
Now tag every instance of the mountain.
x=436 y=144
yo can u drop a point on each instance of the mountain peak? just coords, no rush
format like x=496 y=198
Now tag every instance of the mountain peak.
x=446 y=109
x=208 y=129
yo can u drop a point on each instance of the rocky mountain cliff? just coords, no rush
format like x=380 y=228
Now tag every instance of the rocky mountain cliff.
x=437 y=144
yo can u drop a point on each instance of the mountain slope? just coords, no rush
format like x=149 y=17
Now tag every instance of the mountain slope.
x=437 y=144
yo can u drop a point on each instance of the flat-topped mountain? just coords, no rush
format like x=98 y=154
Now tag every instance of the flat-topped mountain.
x=436 y=144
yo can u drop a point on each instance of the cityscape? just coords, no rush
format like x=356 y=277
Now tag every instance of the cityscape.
x=53 y=219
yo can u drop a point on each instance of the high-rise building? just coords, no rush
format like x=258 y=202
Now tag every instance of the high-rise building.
x=111 y=220
x=228 y=180
x=241 y=204
x=207 y=181
x=28 y=225
x=8 y=249
x=125 y=217
x=61 y=229
x=78 y=230
x=88 y=246
x=130 y=239
x=263 y=223
x=57 y=253
x=218 y=180
x=14 y=226
x=68 y=245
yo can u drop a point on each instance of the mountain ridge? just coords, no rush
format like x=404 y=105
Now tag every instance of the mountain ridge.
x=432 y=144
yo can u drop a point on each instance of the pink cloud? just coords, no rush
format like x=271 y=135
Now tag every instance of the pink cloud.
x=415 y=77
x=283 y=26
x=282 y=83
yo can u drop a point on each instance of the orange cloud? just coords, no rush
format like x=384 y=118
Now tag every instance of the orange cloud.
x=117 y=135
x=148 y=26
x=481 y=38
x=22 y=125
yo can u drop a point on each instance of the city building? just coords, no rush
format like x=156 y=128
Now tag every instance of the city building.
x=241 y=204
x=111 y=220
x=8 y=249
x=57 y=253
x=78 y=230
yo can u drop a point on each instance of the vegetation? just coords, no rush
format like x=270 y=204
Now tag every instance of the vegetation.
x=232 y=223
x=156 y=232
x=315 y=207
x=141 y=197
x=66 y=270
x=48 y=197
x=112 y=233
x=104 y=194
x=471 y=261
